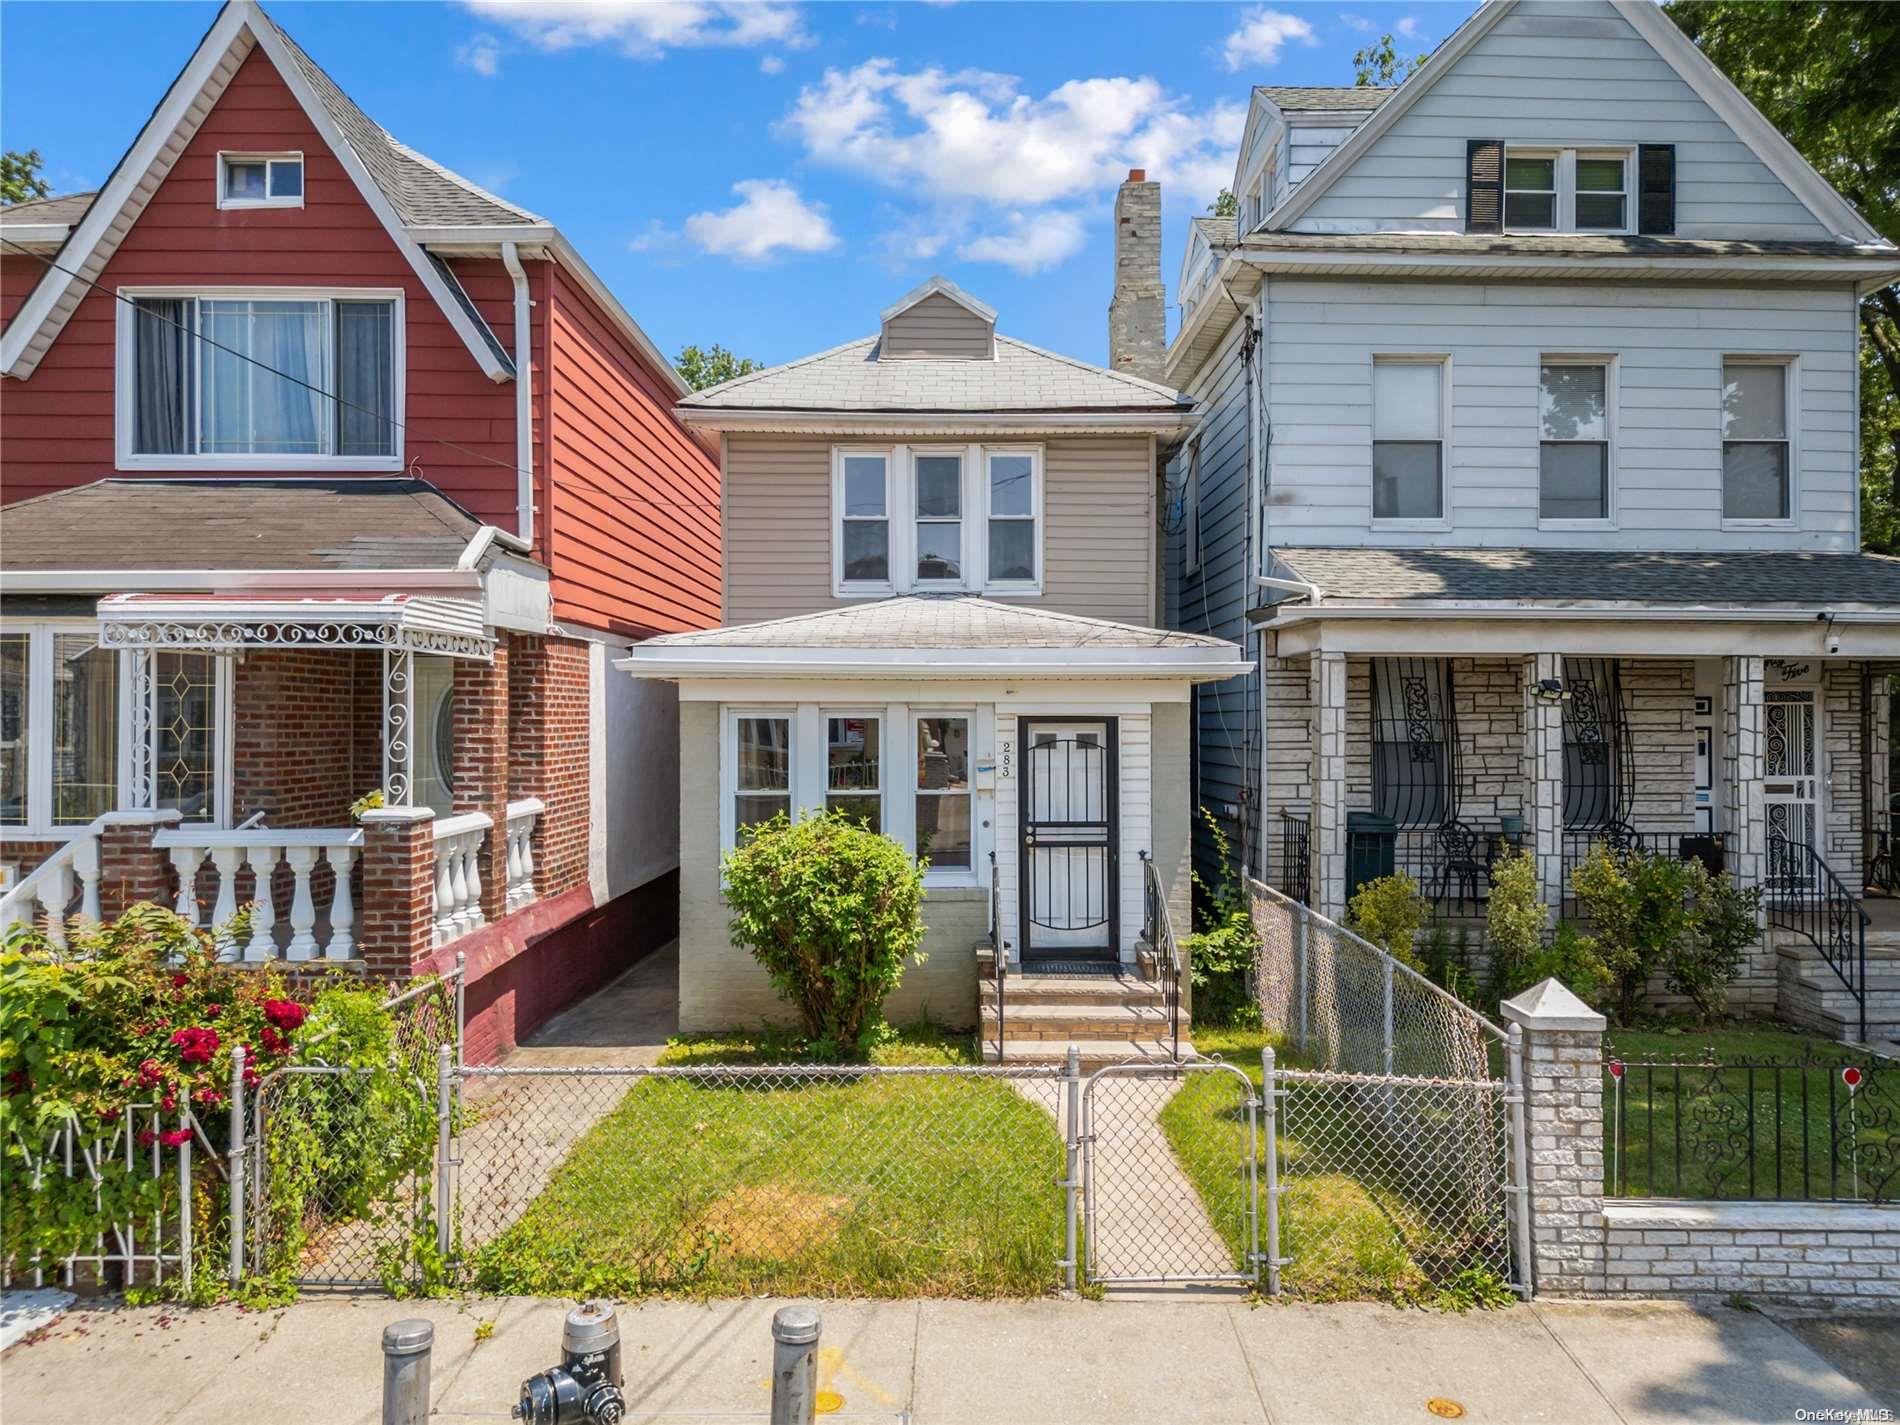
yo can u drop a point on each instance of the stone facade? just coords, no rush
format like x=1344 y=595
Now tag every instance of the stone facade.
x=1838 y=1255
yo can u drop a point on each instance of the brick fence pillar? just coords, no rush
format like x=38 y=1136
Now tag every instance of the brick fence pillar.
x=1563 y=1109
x=131 y=868
x=481 y=765
x=398 y=912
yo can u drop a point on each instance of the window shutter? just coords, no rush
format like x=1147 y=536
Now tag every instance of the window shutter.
x=1656 y=190
x=1484 y=185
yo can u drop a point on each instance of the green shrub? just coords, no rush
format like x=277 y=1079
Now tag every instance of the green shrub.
x=1514 y=919
x=1222 y=951
x=1571 y=958
x=833 y=912
x=1659 y=916
x=1388 y=912
x=1726 y=924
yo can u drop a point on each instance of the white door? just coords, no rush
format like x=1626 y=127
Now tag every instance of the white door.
x=1791 y=787
x=1068 y=838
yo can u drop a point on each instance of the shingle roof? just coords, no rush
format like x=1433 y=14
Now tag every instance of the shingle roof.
x=1021 y=378
x=1552 y=245
x=306 y=522
x=1329 y=98
x=1221 y=232
x=423 y=192
x=67 y=208
x=1744 y=579
x=940 y=621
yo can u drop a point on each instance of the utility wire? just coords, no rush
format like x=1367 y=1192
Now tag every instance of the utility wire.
x=410 y=432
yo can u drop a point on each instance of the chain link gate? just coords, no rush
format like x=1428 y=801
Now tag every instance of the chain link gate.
x=1170 y=1174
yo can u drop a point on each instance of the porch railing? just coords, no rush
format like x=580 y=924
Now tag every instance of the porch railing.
x=1451 y=862
x=47 y=892
x=1295 y=847
x=458 y=874
x=523 y=817
x=221 y=871
x=1807 y=898
x=1158 y=930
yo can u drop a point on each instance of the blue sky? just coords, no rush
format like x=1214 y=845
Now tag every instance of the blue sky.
x=764 y=175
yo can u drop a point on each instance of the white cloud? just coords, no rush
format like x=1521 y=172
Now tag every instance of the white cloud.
x=647 y=29
x=1356 y=22
x=1031 y=242
x=481 y=54
x=1263 y=33
x=771 y=64
x=770 y=216
x=1407 y=27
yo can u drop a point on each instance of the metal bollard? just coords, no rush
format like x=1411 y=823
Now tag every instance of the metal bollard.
x=795 y=1365
x=406 y=1347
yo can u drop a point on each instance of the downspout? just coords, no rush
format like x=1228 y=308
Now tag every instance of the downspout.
x=524 y=395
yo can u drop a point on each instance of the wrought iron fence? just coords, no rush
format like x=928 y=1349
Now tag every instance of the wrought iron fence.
x=1824 y=1127
x=1295 y=846
x=999 y=950
x=1807 y=898
x=1578 y=844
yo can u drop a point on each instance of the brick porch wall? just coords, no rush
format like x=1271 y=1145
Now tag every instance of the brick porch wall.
x=548 y=753
x=482 y=697
x=308 y=725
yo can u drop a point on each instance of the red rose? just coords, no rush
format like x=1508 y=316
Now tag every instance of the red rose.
x=180 y=981
x=169 y=1102
x=211 y=1010
x=251 y=1076
x=196 y=1046
x=147 y=1138
x=286 y=1014
x=110 y=1115
x=209 y=1097
x=175 y=1137
x=151 y=1072
x=273 y=1042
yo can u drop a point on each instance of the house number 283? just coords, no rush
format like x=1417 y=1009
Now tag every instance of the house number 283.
x=1005 y=758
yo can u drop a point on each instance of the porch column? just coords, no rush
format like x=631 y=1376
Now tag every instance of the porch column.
x=399 y=718
x=1877 y=737
x=1744 y=819
x=140 y=789
x=1544 y=775
x=481 y=765
x=1327 y=834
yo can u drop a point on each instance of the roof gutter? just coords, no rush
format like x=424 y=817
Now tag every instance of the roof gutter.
x=1295 y=613
x=485 y=539
x=105 y=581
x=1297 y=586
x=933 y=422
x=524 y=394
x=931 y=664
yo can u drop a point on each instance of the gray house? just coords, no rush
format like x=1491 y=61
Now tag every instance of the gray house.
x=1527 y=467
x=942 y=599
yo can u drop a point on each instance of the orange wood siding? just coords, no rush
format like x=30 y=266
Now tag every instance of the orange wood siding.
x=631 y=518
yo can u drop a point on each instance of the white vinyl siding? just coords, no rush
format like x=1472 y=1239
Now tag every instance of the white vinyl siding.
x=1668 y=346
x=1561 y=72
x=938 y=327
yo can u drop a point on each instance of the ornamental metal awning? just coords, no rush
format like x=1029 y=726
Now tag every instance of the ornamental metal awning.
x=230 y=623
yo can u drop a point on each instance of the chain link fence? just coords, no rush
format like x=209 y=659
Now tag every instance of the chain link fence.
x=1396 y=1156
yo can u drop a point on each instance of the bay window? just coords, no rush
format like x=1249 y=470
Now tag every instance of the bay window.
x=1573 y=476
x=1408 y=446
x=944 y=793
x=59 y=727
x=262 y=380
x=908 y=518
x=1757 y=456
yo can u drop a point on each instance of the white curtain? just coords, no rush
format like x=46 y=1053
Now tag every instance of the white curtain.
x=269 y=404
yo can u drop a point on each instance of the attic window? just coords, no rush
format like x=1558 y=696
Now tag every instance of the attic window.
x=260 y=180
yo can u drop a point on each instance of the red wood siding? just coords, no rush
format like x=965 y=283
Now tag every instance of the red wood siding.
x=59 y=423
x=631 y=523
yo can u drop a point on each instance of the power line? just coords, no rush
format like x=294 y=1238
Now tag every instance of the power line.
x=409 y=432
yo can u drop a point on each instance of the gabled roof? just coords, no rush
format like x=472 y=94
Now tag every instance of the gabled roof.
x=1325 y=98
x=67 y=208
x=939 y=286
x=1220 y=232
x=389 y=177
x=1673 y=47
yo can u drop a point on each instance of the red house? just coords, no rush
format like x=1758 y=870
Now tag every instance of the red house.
x=326 y=473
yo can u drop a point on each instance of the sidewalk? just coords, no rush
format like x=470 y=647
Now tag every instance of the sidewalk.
x=1137 y=1362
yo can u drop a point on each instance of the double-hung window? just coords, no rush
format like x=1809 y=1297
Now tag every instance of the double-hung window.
x=944 y=792
x=920 y=518
x=762 y=769
x=1015 y=500
x=261 y=381
x=863 y=501
x=937 y=504
x=1566 y=190
x=59 y=726
x=1757 y=454
x=854 y=781
x=1573 y=409
x=1408 y=438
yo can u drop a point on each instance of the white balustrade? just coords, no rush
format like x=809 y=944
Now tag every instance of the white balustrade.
x=260 y=849
x=46 y=893
x=523 y=817
x=458 y=875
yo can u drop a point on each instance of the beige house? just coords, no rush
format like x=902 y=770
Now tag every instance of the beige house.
x=942 y=586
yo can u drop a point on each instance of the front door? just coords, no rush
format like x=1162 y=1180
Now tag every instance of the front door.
x=1068 y=839
x=1791 y=787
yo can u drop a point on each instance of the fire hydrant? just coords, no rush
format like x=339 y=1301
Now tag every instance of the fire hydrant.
x=586 y=1388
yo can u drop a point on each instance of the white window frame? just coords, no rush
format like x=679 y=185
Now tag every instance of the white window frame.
x=1564 y=175
x=874 y=712
x=1791 y=405
x=911 y=579
x=900 y=484
x=269 y=160
x=1442 y=360
x=1610 y=375
x=946 y=875
x=224 y=745
x=41 y=635
x=730 y=716
x=124 y=405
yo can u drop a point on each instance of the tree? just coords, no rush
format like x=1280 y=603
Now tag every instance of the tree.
x=1381 y=64
x=1827 y=74
x=701 y=369
x=20 y=180
x=1226 y=205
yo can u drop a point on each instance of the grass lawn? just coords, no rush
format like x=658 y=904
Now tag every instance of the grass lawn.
x=894 y=1186
x=1736 y=1132
x=1351 y=1231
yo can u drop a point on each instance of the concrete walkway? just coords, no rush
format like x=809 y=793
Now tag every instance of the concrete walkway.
x=941 y=1363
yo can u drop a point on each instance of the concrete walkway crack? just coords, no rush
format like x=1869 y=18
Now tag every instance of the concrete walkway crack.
x=1582 y=1369
x=1259 y=1393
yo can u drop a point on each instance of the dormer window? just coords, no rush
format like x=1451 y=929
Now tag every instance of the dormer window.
x=1566 y=190
x=260 y=180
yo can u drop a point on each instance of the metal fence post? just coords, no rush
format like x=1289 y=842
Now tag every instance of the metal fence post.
x=1303 y=936
x=444 y=1124
x=795 y=1365
x=184 y=1198
x=406 y=1347
x=1520 y=1189
x=1388 y=1016
x=239 y=1170
x=1071 y=1183
x=461 y=1004
x=1270 y=1112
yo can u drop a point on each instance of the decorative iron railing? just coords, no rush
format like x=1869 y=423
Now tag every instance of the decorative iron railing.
x=1806 y=897
x=1451 y=863
x=999 y=950
x=1817 y=1128
x=1157 y=928
x=1578 y=844
x=1295 y=868
x=1879 y=875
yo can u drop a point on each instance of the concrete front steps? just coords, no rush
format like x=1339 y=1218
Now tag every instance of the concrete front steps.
x=1812 y=995
x=1109 y=1018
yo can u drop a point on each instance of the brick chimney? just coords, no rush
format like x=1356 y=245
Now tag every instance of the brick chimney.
x=1137 y=313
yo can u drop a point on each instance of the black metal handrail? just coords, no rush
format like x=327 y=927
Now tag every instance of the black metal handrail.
x=1158 y=930
x=1805 y=896
x=999 y=949
x=1295 y=846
